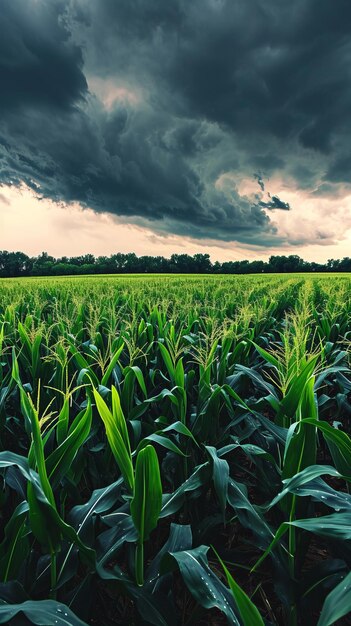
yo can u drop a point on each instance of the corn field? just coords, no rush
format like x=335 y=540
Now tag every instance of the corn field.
x=175 y=450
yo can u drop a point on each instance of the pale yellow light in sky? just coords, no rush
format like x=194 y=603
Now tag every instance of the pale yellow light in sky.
x=33 y=226
x=109 y=93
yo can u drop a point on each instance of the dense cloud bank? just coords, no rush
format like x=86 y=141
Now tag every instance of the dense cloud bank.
x=16 y=264
x=160 y=112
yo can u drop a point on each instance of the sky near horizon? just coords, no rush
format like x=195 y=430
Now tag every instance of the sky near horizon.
x=153 y=126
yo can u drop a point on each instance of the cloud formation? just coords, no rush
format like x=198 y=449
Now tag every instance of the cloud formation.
x=155 y=111
x=275 y=203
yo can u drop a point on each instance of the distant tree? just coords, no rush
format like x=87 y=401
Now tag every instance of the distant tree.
x=85 y=259
x=64 y=269
x=20 y=264
x=181 y=263
x=345 y=264
x=202 y=263
x=292 y=263
x=43 y=264
x=257 y=267
x=14 y=264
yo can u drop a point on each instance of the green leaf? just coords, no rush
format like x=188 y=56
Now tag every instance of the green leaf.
x=179 y=374
x=293 y=484
x=111 y=366
x=162 y=441
x=337 y=603
x=117 y=436
x=81 y=517
x=220 y=476
x=42 y=613
x=146 y=504
x=339 y=444
x=59 y=461
x=62 y=422
x=139 y=376
x=167 y=360
x=172 y=502
x=110 y=542
x=291 y=401
x=14 y=547
x=155 y=608
x=83 y=365
x=46 y=520
x=202 y=583
x=260 y=382
x=32 y=415
x=180 y=428
x=248 y=612
x=267 y=356
x=119 y=418
x=42 y=523
x=320 y=491
x=180 y=538
x=336 y=526
x=250 y=516
x=11 y=459
x=251 y=450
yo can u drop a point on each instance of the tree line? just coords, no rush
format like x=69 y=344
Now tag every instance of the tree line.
x=13 y=264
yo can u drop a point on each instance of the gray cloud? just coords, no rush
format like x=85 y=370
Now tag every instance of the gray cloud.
x=275 y=203
x=260 y=181
x=139 y=107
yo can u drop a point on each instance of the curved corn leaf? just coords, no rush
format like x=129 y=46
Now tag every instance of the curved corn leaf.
x=15 y=546
x=248 y=612
x=336 y=526
x=59 y=461
x=339 y=444
x=146 y=504
x=117 y=435
x=220 y=477
x=202 y=583
x=337 y=604
x=41 y=612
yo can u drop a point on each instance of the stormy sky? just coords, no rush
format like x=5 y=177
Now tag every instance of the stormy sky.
x=155 y=125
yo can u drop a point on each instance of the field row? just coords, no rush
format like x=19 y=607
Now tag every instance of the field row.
x=175 y=450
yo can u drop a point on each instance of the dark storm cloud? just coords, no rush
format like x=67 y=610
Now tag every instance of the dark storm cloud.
x=260 y=181
x=142 y=107
x=38 y=65
x=275 y=203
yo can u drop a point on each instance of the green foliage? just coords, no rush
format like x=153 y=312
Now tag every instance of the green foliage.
x=146 y=505
x=143 y=419
x=117 y=435
x=247 y=610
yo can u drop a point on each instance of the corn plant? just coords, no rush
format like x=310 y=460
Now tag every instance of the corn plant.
x=144 y=419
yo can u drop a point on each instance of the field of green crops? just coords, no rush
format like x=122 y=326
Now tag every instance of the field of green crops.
x=175 y=450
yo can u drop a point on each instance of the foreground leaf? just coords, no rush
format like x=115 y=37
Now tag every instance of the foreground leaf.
x=42 y=613
x=248 y=611
x=337 y=603
x=203 y=584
